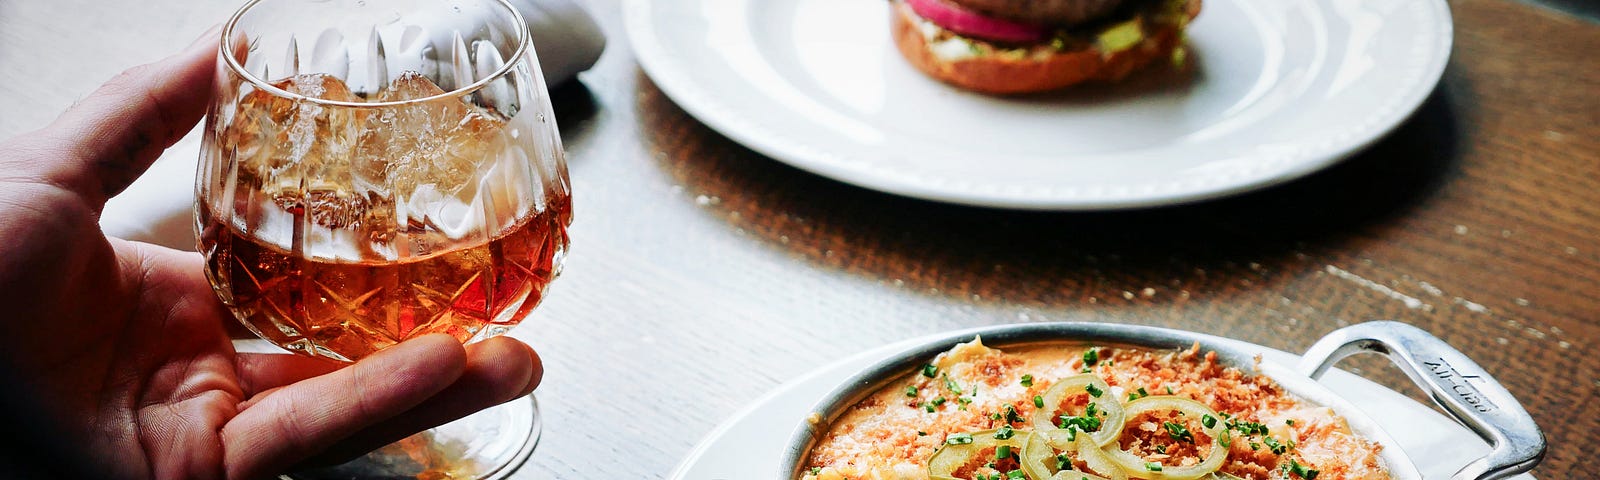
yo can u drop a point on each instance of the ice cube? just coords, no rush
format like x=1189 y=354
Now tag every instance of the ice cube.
x=296 y=152
x=347 y=167
x=440 y=142
x=410 y=85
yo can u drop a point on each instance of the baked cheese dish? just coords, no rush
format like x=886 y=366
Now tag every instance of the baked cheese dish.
x=1087 y=413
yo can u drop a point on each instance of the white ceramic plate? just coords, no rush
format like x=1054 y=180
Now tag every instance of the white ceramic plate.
x=751 y=444
x=1280 y=88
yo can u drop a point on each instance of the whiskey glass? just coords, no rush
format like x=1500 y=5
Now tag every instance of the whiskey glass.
x=374 y=171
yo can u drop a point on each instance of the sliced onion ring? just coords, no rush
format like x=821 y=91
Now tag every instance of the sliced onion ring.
x=1135 y=466
x=1043 y=419
x=1038 y=457
x=949 y=458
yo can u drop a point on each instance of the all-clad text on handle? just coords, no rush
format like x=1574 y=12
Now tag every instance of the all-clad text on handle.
x=1454 y=381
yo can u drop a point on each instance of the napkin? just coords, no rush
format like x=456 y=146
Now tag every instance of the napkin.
x=159 y=207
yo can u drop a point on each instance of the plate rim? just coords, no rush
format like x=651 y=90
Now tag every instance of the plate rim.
x=678 y=85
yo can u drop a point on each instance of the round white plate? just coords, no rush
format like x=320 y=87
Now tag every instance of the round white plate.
x=751 y=443
x=1280 y=88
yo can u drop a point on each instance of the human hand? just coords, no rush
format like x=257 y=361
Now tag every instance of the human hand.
x=128 y=346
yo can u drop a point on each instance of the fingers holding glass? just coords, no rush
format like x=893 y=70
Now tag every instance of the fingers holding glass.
x=376 y=172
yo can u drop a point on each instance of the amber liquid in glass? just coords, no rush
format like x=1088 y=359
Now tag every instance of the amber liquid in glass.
x=356 y=308
x=348 y=270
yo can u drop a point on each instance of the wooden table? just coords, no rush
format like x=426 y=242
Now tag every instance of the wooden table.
x=703 y=274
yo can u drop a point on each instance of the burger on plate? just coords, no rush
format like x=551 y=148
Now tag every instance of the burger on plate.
x=1022 y=46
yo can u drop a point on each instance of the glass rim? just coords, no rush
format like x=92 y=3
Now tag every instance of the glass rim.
x=524 y=40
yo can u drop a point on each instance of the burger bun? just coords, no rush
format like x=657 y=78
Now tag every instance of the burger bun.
x=1037 y=69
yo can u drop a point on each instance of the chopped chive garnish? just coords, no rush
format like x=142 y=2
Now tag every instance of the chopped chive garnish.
x=1091 y=357
x=1248 y=428
x=1016 y=475
x=1093 y=390
x=1012 y=416
x=1301 y=470
x=1178 y=432
x=1085 y=423
x=1272 y=443
x=951 y=385
x=1027 y=380
x=911 y=390
x=1002 y=452
x=1004 y=433
x=1290 y=422
x=928 y=407
x=1062 y=462
x=1138 y=395
x=1038 y=401
x=1152 y=466
x=929 y=371
x=1169 y=390
x=816 y=470
x=1208 y=420
x=958 y=439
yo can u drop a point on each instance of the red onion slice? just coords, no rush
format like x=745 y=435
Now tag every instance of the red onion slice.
x=973 y=24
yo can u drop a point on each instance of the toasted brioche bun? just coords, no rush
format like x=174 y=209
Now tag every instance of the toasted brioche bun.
x=1040 y=69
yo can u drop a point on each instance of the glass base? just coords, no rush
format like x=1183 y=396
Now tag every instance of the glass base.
x=488 y=445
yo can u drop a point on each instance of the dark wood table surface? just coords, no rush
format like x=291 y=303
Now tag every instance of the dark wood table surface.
x=704 y=274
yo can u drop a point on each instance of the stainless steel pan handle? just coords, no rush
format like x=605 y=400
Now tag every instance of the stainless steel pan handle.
x=1454 y=381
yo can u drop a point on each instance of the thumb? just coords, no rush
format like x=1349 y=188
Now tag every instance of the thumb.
x=105 y=141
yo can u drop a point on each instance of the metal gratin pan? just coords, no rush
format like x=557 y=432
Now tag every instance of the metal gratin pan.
x=1455 y=383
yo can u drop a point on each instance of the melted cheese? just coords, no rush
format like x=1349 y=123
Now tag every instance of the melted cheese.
x=891 y=435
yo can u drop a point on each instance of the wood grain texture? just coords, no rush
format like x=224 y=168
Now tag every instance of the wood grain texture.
x=703 y=274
